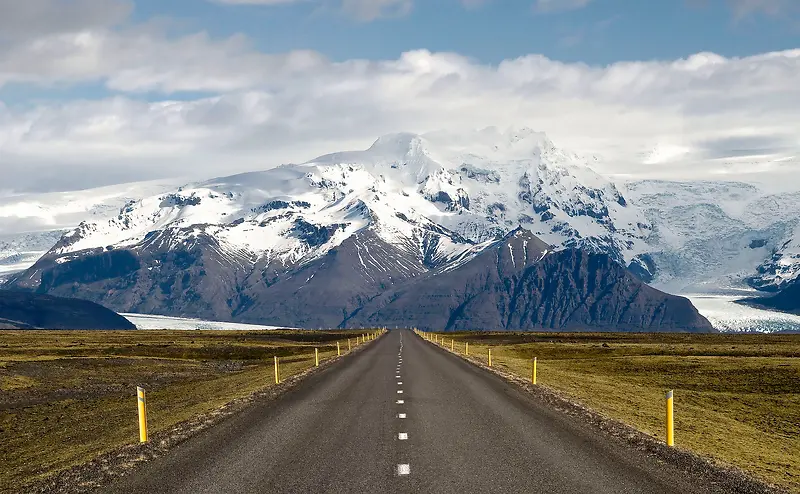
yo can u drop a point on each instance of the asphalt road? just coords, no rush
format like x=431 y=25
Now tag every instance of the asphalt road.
x=463 y=430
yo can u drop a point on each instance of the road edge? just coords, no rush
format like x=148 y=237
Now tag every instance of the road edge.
x=107 y=467
x=727 y=478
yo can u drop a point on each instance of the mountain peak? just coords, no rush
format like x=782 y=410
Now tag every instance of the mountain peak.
x=398 y=144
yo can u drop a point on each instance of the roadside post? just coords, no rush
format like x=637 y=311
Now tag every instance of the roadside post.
x=533 y=375
x=277 y=375
x=142 y=404
x=670 y=422
x=490 y=357
x=316 y=357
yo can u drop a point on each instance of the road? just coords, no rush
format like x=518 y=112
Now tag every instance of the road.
x=462 y=430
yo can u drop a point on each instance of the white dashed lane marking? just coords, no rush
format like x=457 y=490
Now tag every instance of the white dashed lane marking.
x=402 y=468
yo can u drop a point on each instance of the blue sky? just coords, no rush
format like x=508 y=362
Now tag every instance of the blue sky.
x=103 y=91
x=602 y=32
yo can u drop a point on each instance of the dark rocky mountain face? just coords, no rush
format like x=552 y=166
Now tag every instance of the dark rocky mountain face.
x=20 y=310
x=516 y=283
x=202 y=280
x=787 y=300
x=519 y=285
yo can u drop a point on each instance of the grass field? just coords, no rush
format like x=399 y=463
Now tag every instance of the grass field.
x=69 y=396
x=737 y=397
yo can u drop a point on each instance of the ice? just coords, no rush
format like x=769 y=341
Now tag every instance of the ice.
x=728 y=316
x=147 y=321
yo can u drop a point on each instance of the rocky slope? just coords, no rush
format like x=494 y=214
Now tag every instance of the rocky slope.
x=520 y=283
x=20 y=310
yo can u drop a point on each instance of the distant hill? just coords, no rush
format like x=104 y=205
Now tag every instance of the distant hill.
x=20 y=310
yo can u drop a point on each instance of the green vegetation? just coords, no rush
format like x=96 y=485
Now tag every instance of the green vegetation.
x=69 y=396
x=737 y=397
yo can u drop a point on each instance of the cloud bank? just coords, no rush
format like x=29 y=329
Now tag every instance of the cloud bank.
x=259 y=110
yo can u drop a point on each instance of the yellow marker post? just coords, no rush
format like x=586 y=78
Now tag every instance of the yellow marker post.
x=338 y=350
x=452 y=345
x=490 y=357
x=349 y=347
x=466 y=349
x=670 y=423
x=277 y=376
x=316 y=357
x=142 y=402
x=533 y=374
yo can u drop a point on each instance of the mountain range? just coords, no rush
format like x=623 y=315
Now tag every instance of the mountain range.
x=359 y=238
x=347 y=238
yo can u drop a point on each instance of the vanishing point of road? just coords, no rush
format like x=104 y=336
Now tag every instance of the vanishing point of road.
x=403 y=416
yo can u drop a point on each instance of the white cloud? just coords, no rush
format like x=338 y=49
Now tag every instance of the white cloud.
x=31 y=18
x=145 y=60
x=301 y=105
x=272 y=108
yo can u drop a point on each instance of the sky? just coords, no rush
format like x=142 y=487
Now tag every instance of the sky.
x=96 y=92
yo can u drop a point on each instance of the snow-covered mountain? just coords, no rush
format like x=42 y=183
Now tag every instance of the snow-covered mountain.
x=30 y=224
x=462 y=190
x=342 y=229
x=440 y=197
x=711 y=235
x=19 y=251
x=783 y=267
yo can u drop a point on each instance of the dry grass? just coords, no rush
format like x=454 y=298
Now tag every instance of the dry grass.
x=69 y=396
x=737 y=397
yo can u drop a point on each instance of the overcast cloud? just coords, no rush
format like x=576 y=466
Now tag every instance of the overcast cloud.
x=261 y=110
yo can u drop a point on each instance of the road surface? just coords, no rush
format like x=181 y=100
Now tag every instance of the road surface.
x=403 y=416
